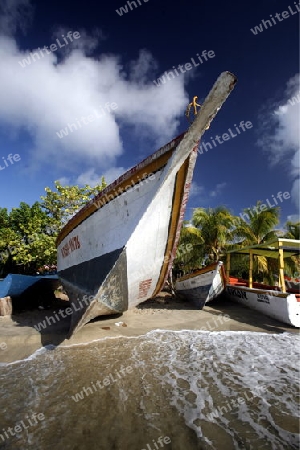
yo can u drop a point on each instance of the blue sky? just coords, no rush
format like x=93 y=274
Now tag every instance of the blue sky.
x=103 y=77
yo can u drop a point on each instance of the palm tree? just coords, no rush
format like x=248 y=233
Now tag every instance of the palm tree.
x=293 y=230
x=292 y=266
x=216 y=226
x=191 y=239
x=208 y=234
x=258 y=228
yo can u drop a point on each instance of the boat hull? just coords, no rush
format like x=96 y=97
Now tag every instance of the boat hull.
x=118 y=250
x=202 y=286
x=120 y=267
x=284 y=307
x=14 y=285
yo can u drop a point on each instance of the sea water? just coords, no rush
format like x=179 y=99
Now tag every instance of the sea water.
x=163 y=390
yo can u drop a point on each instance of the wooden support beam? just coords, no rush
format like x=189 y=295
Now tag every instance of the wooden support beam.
x=228 y=267
x=281 y=268
x=250 y=269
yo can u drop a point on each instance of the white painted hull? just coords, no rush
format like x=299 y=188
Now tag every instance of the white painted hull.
x=129 y=235
x=278 y=305
x=203 y=286
x=119 y=249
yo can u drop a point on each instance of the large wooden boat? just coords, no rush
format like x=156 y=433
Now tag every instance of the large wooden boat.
x=203 y=285
x=117 y=251
x=279 y=302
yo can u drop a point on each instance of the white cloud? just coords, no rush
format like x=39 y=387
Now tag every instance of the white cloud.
x=87 y=42
x=64 y=181
x=218 y=189
x=113 y=173
x=295 y=218
x=203 y=194
x=143 y=69
x=196 y=190
x=92 y=178
x=281 y=133
x=58 y=89
x=14 y=15
x=89 y=177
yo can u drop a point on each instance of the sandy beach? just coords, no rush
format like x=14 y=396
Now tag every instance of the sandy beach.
x=203 y=390
x=19 y=339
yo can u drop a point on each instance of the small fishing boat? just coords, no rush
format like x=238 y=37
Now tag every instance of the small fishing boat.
x=203 y=285
x=14 y=288
x=118 y=250
x=280 y=302
x=14 y=285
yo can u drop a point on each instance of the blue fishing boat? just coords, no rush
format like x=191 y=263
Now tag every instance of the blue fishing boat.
x=14 y=285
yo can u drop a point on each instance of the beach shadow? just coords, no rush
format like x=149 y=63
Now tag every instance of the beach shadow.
x=220 y=306
x=247 y=316
x=167 y=301
x=104 y=319
x=41 y=310
x=44 y=311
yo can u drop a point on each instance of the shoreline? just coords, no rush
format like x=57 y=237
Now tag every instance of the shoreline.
x=19 y=339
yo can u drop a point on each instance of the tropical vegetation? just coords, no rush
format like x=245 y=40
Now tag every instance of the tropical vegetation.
x=214 y=231
x=28 y=233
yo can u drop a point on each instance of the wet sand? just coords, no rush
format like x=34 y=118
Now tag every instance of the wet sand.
x=19 y=339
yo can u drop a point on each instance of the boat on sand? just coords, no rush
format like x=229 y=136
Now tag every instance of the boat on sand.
x=203 y=285
x=280 y=302
x=14 y=288
x=15 y=285
x=118 y=250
